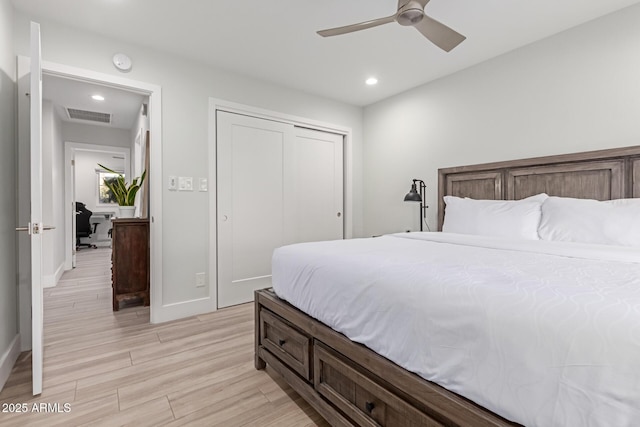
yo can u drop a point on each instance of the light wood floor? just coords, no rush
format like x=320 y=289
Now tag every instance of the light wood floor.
x=116 y=369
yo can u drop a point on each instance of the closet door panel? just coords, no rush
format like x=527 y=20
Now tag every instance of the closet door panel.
x=318 y=185
x=253 y=202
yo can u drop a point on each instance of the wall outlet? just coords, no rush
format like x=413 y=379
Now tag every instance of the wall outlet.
x=204 y=186
x=199 y=280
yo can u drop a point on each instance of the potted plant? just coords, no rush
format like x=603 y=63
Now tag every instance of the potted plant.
x=125 y=194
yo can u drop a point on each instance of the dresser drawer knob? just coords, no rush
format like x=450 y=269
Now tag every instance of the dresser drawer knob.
x=281 y=342
x=369 y=406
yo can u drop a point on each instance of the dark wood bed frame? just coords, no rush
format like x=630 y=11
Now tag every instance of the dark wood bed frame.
x=347 y=383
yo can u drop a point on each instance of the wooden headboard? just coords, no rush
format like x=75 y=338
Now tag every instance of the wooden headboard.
x=601 y=175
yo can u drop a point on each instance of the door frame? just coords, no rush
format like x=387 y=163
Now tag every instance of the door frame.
x=154 y=92
x=215 y=105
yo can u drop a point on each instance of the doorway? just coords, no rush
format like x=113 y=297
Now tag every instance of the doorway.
x=153 y=92
x=101 y=125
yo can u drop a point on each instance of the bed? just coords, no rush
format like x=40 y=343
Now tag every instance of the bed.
x=338 y=331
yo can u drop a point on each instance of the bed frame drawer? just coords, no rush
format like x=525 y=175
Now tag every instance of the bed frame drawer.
x=361 y=399
x=286 y=343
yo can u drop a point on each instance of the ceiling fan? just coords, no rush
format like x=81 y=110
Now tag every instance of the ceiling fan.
x=410 y=13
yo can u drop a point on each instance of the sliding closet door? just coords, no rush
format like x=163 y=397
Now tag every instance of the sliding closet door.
x=277 y=184
x=318 y=186
x=255 y=207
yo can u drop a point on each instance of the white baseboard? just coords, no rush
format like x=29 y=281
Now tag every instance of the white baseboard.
x=51 y=280
x=169 y=312
x=8 y=359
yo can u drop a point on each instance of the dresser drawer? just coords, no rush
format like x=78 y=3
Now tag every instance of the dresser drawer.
x=286 y=343
x=361 y=399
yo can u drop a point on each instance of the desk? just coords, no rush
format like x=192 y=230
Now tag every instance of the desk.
x=100 y=226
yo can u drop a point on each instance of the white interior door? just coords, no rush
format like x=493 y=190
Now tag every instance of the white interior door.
x=254 y=203
x=318 y=186
x=36 y=227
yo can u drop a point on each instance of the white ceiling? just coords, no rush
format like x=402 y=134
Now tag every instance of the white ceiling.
x=276 y=40
x=124 y=106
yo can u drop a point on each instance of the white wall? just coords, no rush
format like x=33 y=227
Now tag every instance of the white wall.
x=186 y=89
x=576 y=91
x=8 y=289
x=94 y=134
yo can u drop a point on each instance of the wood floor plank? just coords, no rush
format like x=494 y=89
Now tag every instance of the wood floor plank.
x=108 y=349
x=174 y=380
x=115 y=368
x=21 y=393
x=235 y=410
x=99 y=384
x=212 y=336
x=97 y=365
x=154 y=413
x=231 y=381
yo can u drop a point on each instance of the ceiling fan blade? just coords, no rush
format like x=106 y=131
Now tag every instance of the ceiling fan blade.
x=439 y=34
x=356 y=27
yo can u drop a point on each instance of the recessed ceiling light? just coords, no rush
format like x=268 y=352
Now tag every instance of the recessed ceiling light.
x=97 y=97
x=371 y=81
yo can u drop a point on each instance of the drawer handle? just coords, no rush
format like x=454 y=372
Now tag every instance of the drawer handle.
x=369 y=406
x=281 y=342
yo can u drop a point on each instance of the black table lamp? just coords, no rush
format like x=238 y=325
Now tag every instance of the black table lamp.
x=418 y=196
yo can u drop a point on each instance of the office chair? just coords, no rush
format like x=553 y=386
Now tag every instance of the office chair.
x=83 y=226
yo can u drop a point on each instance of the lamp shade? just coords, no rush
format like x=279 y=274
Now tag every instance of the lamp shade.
x=413 y=195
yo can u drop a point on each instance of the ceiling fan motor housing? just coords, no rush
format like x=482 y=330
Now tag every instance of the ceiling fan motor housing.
x=410 y=14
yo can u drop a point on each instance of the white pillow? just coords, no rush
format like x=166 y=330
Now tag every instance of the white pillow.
x=514 y=219
x=613 y=222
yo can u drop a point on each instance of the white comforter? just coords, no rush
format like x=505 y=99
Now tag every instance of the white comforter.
x=542 y=333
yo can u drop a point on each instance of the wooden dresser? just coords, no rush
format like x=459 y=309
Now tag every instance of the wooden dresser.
x=130 y=261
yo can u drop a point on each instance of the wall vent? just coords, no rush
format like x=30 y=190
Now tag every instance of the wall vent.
x=91 y=116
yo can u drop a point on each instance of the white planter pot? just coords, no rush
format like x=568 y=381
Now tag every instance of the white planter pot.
x=127 y=211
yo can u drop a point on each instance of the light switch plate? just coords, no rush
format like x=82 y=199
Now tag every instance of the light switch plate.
x=185 y=183
x=204 y=186
x=173 y=183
